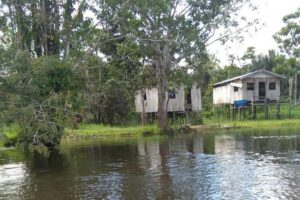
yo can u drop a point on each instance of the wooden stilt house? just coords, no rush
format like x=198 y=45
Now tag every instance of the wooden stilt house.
x=180 y=101
x=246 y=92
x=259 y=85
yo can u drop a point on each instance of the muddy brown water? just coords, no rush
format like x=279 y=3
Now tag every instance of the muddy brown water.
x=240 y=165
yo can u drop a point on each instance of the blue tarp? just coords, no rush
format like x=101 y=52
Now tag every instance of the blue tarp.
x=241 y=103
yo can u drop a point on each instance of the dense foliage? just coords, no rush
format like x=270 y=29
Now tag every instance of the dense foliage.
x=64 y=62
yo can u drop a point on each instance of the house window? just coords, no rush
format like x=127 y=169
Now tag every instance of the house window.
x=272 y=86
x=250 y=86
x=145 y=96
x=172 y=94
x=235 y=89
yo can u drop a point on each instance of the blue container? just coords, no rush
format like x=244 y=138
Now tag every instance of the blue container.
x=241 y=103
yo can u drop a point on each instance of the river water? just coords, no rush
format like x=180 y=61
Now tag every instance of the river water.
x=240 y=165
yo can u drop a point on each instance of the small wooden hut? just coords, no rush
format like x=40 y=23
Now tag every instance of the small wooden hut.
x=180 y=101
x=255 y=86
x=243 y=94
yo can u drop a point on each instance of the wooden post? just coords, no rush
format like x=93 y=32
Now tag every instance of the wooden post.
x=214 y=111
x=174 y=119
x=222 y=111
x=290 y=108
x=295 y=95
x=266 y=109
x=278 y=109
x=219 y=119
x=147 y=118
x=229 y=112
x=232 y=112
x=252 y=107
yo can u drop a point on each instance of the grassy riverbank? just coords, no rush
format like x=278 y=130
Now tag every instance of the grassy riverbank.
x=261 y=124
x=87 y=130
x=10 y=134
x=90 y=130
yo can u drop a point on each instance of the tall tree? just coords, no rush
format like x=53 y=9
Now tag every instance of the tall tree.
x=288 y=39
x=40 y=26
x=168 y=32
x=261 y=61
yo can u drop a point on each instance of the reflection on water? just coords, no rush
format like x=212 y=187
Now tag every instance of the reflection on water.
x=12 y=179
x=211 y=166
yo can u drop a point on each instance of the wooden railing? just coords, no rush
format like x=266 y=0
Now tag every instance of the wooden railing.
x=281 y=99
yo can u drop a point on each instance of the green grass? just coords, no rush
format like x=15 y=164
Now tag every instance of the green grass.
x=102 y=130
x=260 y=114
x=114 y=140
x=269 y=124
x=259 y=124
x=9 y=135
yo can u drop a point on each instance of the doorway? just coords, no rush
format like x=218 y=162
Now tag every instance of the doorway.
x=262 y=90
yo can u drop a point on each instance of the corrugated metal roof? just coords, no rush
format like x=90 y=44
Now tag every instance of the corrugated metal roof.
x=247 y=76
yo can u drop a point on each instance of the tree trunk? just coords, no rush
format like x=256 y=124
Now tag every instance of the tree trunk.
x=67 y=48
x=36 y=29
x=162 y=62
x=44 y=27
x=13 y=22
x=68 y=9
x=162 y=104
x=19 y=25
x=56 y=23
x=51 y=27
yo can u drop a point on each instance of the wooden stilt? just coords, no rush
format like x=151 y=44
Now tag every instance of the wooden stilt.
x=232 y=108
x=174 y=120
x=278 y=109
x=254 y=112
x=214 y=111
x=234 y=113
x=290 y=109
x=223 y=111
x=252 y=108
x=229 y=112
x=265 y=108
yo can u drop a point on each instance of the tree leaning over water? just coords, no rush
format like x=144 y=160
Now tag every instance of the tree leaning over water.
x=39 y=88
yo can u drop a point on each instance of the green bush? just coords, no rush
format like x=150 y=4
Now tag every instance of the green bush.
x=9 y=135
x=207 y=114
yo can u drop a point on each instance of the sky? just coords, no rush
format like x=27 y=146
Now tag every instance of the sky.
x=270 y=14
